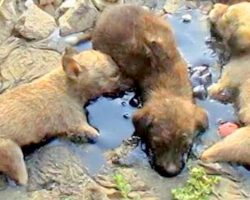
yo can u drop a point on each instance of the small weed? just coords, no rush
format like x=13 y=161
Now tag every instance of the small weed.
x=123 y=186
x=198 y=187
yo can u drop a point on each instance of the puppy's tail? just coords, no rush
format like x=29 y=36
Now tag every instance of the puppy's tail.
x=77 y=38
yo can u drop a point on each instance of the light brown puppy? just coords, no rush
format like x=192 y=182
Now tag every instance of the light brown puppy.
x=52 y=106
x=143 y=46
x=234 y=74
x=232 y=24
x=235 y=147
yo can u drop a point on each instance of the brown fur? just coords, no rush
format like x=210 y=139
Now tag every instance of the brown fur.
x=144 y=47
x=232 y=24
x=234 y=74
x=169 y=120
x=52 y=106
x=136 y=42
x=235 y=147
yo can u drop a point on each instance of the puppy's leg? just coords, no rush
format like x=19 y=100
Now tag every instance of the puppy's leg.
x=83 y=129
x=88 y=131
x=12 y=162
x=216 y=89
x=243 y=102
x=233 y=148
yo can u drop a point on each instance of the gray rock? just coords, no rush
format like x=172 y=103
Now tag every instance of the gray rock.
x=21 y=64
x=35 y=23
x=79 y=18
x=56 y=166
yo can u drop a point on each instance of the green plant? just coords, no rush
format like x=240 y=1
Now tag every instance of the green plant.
x=198 y=186
x=123 y=186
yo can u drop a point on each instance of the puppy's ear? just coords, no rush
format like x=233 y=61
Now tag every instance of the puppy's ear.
x=70 y=66
x=155 y=52
x=141 y=121
x=201 y=119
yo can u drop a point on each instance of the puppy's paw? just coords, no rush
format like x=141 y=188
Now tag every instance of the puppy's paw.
x=90 y=132
x=214 y=90
x=206 y=156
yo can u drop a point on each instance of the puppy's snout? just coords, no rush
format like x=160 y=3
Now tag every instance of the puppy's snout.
x=170 y=169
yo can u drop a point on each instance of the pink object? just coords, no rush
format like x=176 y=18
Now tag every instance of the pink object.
x=227 y=128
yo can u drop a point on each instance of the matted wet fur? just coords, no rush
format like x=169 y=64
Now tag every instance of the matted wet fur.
x=143 y=46
x=52 y=106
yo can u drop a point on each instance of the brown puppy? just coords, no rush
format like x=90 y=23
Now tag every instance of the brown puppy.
x=232 y=24
x=52 y=106
x=135 y=38
x=143 y=45
x=235 y=147
x=234 y=74
x=169 y=120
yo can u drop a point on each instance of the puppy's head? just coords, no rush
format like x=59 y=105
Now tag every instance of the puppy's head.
x=94 y=72
x=167 y=129
x=217 y=12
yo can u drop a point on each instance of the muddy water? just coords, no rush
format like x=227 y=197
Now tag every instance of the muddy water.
x=112 y=117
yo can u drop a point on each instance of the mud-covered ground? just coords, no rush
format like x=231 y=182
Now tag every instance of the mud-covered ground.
x=64 y=169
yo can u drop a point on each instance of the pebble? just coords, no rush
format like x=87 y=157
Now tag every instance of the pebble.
x=227 y=128
x=126 y=116
x=134 y=102
x=200 y=92
x=186 y=18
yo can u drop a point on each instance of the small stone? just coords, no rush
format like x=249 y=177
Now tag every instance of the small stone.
x=195 y=79
x=134 y=102
x=124 y=103
x=126 y=116
x=206 y=79
x=200 y=92
x=186 y=18
x=227 y=128
x=35 y=24
x=79 y=18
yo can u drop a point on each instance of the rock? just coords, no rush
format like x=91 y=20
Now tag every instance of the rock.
x=151 y=4
x=101 y=4
x=186 y=18
x=57 y=166
x=171 y=6
x=231 y=186
x=200 y=92
x=138 y=189
x=200 y=75
x=79 y=18
x=227 y=128
x=35 y=23
x=49 y=6
x=64 y=7
x=9 y=12
x=21 y=64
